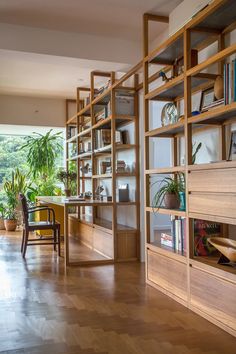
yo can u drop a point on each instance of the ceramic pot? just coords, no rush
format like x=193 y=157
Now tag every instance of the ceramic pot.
x=2 y=227
x=10 y=225
x=171 y=201
x=67 y=192
x=219 y=87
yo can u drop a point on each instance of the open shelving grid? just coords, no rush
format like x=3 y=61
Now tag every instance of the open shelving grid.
x=197 y=282
x=126 y=239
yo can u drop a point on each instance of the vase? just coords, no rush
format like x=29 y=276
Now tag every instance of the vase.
x=171 y=201
x=182 y=200
x=2 y=226
x=67 y=192
x=10 y=225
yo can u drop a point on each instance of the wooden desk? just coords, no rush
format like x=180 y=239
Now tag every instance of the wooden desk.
x=61 y=201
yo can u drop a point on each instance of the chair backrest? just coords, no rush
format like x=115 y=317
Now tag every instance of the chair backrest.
x=24 y=207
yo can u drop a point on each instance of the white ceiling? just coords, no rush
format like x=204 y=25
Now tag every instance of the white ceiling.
x=24 y=73
x=116 y=18
x=46 y=75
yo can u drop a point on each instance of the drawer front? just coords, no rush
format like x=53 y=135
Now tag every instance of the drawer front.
x=167 y=273
x=218 y=180
x=214 y=296
x=127 y=245
x=218 y=204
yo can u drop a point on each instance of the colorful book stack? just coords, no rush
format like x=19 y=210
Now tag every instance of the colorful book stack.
x=176 y=239
x=230 y=82
x=120 y=166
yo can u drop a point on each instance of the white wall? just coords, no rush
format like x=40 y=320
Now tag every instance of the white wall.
x=34 y=111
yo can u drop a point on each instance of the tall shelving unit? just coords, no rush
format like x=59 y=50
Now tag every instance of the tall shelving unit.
x=199 y=283
x=109 y=235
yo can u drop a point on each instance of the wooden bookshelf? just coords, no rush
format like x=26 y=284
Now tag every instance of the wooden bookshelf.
x=125 y=239
x=198 y=282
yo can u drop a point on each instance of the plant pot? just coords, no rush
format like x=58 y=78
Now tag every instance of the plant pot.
x=10 y=225
x=2 y=226
x=67 y=192
x=171 y=201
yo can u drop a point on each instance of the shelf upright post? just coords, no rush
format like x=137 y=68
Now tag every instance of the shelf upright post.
x=137 y=169
x=94 y=209
x=188 y=147
x=78 y=105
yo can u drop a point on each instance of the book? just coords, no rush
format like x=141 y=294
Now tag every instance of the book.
x=166 y=240
x=202 y=231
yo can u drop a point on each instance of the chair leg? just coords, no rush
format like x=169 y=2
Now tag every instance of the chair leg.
x=55 y=239
x=59 y=241
x=25 y=242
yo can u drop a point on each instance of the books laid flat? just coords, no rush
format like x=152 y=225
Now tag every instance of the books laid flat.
x=74 y=199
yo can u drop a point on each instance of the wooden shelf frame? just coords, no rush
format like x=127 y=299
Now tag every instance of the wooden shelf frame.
x=113 y=122
x=208 y=26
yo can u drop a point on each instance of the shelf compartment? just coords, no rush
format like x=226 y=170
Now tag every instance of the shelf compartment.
x=165 y=170
x=217 y=16
x=165 y=211
x=216 y=115
x=104 y=97
x=212 y=60
x=175 y=88
x=103 y=123
x=168 y=131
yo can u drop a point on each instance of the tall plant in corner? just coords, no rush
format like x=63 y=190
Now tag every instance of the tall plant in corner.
x=42 y=151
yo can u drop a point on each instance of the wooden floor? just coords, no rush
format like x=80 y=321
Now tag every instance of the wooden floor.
x=104 y=309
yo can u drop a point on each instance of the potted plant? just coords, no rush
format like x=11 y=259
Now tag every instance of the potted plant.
x=10 y=220
x=67 y=178
x=2 y=216
x=169 y=192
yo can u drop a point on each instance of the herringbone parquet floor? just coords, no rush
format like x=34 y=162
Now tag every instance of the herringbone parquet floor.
x=105 y=309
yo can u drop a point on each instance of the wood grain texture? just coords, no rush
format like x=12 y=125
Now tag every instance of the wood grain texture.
x=102 y=310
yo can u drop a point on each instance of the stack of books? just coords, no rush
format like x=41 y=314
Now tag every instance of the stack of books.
x=101 y=114
x=177 y=237
x=230 y=82
x=104 y=166
x=214 y=104
x=120 y=166
x=102 y=138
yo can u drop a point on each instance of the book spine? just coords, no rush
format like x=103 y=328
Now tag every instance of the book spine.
x=176 y=235
x=173 y=230
x=234 y=80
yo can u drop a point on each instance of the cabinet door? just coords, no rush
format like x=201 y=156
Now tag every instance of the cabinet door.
x=214 y=296
x=167 y=273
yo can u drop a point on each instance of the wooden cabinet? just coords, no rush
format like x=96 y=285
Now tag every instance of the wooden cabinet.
x=214 y=296
x=167 y=273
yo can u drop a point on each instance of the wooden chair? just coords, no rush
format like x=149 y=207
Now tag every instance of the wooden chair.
x=41 y=225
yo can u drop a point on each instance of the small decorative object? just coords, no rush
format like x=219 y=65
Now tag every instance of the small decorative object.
x=85 y=169
x=182 y=199
x=98 y=192
x=169 y=192
x=219 y=87
x=227 y=248
x=123 y=193
x=203 y=230
x=87 y=195
x=178 y=68
x=164 y=77
x=67 y=177
x=169 y=114
x=232 y=148
x=195 y=113
x=207 y=98
x=194 y=153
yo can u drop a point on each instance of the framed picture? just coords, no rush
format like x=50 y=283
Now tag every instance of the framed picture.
x=207 y=98
x=232 y=147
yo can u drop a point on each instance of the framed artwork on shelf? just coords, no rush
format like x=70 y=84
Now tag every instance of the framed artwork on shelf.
x=207 y=98
x=232 y=147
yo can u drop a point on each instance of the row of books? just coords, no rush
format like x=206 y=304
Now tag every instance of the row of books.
x=230 y=82
x=177 y=237
x=103 y=137
x=120 y=166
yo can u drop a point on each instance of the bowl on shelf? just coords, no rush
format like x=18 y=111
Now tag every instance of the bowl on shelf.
x=226 y=246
